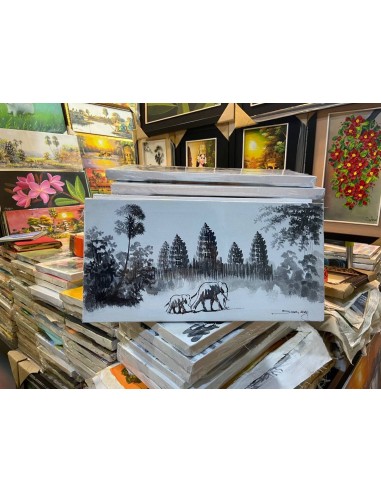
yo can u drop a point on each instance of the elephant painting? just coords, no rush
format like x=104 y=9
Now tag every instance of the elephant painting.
x=177 y=303
x=212 y=291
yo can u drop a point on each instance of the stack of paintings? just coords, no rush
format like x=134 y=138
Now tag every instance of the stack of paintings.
x=42 y=182
x=223 y=270
x=106 y=139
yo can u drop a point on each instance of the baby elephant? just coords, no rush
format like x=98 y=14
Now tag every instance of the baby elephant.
x=177 y=303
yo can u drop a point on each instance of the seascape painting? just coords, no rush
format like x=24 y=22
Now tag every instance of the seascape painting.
x=200 y=260
x=22 y=189
x=265 y=147
x=32 y=150
x=56 y=222
x=201 y=153
x=98 y=152
x=352 y=167
x=38 y=117
x=100 y=120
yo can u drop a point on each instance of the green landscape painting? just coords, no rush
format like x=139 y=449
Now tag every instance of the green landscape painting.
x=21 y=149
x=38 y=117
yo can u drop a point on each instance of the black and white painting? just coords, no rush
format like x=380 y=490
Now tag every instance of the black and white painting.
x=189 y=259
x=154 y=153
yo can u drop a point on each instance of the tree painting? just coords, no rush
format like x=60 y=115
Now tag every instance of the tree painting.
x=197 y=270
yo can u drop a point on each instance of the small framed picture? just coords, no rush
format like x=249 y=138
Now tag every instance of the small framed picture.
x=155 y=152
x=347 y=162
x=201 y=153
x=265 y=147
x=203 y=147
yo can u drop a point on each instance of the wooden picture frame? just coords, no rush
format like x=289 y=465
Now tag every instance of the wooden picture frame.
x=104 y=120
x=207 y=133
x=295 y=142
x=179 y=116
x=268 y=111
x=338 y=218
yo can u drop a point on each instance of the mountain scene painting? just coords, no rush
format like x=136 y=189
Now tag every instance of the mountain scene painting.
x=100 y=120
x=32 y=150
x=38 y=117
x=156 y=259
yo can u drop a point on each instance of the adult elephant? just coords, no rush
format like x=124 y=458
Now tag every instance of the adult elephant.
x=210 y=291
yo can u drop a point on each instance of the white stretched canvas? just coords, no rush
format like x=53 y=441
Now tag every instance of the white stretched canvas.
x=180 y=189
x=178 y=174
x=149 y=259
x=189 y=338
x=289 y=365
x=192 y=369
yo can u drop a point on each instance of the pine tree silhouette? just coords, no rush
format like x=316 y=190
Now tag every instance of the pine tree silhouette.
x=163 y=259
x=207 y=245
x=235 y=255
x=178 y=254
x=259 y=258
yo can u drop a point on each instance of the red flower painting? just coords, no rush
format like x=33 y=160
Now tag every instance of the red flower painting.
x=355 y=156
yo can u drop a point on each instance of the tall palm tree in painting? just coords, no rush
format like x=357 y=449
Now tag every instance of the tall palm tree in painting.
x=131 y=225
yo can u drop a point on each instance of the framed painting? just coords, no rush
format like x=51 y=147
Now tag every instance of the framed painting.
x=22 y=189
x=347 y=161
x=279 y=145
x=201 y=153
x=163 y=117
x=100 y=120
x=203 y=147
x=201 y=259
x=155 y=152
x=56 y=222
x=265 y=147
x=22 y=149
x=269 y=111
x=39 y=117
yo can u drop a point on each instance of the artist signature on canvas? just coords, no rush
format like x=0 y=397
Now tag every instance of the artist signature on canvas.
x=370 y=219
x=303 y=313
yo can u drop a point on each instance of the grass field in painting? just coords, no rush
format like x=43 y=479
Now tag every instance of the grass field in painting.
x=47 y=117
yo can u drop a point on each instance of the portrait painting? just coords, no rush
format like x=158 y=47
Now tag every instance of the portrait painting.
x=201 y=153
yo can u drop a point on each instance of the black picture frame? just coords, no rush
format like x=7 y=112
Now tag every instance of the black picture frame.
x=296 y=142
x=267 y=111
x=195 y=118
x=204 y=133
